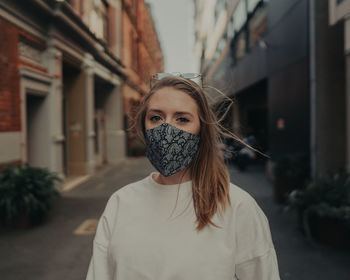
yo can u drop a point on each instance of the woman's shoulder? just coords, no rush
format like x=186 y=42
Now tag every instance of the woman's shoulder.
x=239 y=195
x=130 y=190
x=244 y=204
x=242 y=201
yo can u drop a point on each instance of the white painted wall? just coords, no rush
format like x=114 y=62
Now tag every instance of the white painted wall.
x=10 y=146
x=347 y=36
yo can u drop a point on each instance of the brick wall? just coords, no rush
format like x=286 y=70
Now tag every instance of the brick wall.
x=10 y=114
x=9 y=78
x=141 y=54
x=140 y=32
x=149 y=37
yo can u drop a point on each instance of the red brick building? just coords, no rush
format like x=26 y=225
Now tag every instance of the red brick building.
x=62 y=69
x=141 y=55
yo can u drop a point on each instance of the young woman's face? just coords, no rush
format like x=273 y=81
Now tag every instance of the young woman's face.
x=175 y=107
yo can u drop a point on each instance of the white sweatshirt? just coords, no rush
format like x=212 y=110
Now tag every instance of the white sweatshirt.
x=141 y=236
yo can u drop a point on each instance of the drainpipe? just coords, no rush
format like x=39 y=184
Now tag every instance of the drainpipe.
x=313 y=91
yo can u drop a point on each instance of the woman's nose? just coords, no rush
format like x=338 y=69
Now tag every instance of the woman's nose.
x=169 y=120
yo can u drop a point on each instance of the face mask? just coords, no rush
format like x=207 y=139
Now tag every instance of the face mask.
x=170 y=149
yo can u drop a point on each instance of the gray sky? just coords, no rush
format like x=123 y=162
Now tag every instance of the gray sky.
x=174 y=23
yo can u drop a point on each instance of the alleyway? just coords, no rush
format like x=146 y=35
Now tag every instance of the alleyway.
x=53 y=252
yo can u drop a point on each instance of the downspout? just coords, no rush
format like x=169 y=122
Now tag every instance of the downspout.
x=313 y=90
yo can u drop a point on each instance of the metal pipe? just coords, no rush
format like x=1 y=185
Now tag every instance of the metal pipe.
x=313 y=89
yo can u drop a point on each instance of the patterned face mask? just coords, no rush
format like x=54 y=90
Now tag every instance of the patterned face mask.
x=170 y=149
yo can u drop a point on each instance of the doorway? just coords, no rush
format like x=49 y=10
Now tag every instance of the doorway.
x=37 y=131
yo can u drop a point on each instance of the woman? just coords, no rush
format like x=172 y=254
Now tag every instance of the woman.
x=186 y=221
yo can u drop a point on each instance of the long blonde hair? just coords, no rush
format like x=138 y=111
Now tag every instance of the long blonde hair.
x=209 y=174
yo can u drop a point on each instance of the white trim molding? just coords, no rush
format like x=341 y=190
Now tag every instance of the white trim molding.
x=22 y=22
x=36 y=83
x=11 y=142
x=339 y=11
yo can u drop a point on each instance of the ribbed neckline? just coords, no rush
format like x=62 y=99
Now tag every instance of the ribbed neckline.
x=174 y=187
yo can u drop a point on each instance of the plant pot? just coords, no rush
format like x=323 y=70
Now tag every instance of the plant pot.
x=283 y=186
x=137 y=148
x=21 y=222
x=330 y=231
x=25 y=220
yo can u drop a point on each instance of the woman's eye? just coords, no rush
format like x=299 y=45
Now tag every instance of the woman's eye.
x=183 y=120
x=155 y=118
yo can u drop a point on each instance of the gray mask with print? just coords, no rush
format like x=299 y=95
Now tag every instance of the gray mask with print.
x=170 y=149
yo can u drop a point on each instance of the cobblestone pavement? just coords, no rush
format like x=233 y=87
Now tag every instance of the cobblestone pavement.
x=53 y=251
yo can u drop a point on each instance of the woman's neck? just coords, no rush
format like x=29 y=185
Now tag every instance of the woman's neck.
x=177 y=178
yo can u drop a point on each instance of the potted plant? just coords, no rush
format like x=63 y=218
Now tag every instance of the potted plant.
x=137 y=147
x=26 y=195
x=290 y=172
x=324 y=209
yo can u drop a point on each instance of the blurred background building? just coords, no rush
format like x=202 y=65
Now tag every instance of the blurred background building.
x=142 y=56
x=69 y=73
x=284 y=65
x=72 y=73
x=339 y=14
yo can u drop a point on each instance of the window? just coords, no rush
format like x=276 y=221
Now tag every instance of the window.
x=257 y=26
x=241 y=46
x=134 y=5
x=134 y=51
x=240 y=15
x=230 y=29
x=250 y=24
x=219 y=7
x=252 y=4
x=99 y=20
x=221 y=45
x=133 y=10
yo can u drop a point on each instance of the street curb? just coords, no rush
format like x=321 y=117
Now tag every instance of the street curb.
x=76 y=182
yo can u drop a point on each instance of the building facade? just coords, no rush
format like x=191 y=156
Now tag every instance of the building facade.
x=61 y=84
x=142 y=57
x=284 y=66
x=339 y=14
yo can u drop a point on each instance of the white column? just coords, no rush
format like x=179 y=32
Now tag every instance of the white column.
x=114 y=125
x=54 y=66
x=88 y=68
x=347 y=57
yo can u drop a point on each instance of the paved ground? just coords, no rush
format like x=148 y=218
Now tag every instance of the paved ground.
x=297 y=258
x=53 y=252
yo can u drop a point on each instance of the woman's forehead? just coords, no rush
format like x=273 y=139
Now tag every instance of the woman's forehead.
x=171 y=99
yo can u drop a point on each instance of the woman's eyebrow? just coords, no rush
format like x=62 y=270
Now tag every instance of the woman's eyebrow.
x=155 y=111
x=183 y=113
x=176 y=113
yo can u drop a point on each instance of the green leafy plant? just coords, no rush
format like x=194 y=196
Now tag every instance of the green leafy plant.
x=291 y=172
x=27 y=191
x=325 y=198
x=292 y=166
x=137 y=147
